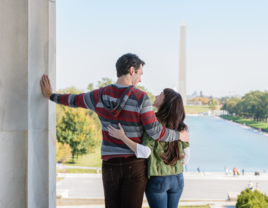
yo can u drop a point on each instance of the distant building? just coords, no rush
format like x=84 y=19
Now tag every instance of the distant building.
x=194 y=95
x=191 y=102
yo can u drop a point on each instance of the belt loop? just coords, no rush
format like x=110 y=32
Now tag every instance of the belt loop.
x=159 y=170
x=173 y=170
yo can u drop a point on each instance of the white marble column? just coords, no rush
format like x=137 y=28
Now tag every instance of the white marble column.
x=27 y=119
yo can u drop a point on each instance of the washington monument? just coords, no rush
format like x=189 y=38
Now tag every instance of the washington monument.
x=182 y=67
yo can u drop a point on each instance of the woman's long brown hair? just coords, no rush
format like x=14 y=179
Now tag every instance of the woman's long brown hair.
x=171 y=114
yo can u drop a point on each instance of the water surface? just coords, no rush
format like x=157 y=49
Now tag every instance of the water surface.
x=216 y=142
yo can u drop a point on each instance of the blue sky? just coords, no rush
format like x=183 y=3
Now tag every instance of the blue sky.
x=226 y=43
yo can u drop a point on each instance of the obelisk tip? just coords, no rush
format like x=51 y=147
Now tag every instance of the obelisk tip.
x=182 y=23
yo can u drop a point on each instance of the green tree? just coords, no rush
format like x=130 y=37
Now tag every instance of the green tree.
x=62 y=151
x=212 y=107
x=239 y=109
x=252 y=199
x=223 y=100
x=60 y=110
x=252 y=104
x=77 y=130
x=105 y=82
x=70 y=90
x=150 y=95
x=231 y=105
x=90 y=87
x=213 y=104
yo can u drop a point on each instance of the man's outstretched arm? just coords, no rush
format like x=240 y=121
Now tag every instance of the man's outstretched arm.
x=84 y=100
x=155 y=130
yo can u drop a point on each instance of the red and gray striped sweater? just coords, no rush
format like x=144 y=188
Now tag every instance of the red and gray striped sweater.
x=120 y=104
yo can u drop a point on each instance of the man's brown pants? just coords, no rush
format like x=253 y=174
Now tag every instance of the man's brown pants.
x=124 y=182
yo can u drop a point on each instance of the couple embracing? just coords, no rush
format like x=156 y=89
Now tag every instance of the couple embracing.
x=142 y=151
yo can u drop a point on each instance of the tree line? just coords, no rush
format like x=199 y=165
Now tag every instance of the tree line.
x=254 y=105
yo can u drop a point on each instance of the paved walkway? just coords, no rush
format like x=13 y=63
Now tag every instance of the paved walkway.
x=212 y=205
x=209 y=187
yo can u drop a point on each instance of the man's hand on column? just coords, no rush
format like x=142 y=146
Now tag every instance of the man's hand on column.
x=46 y=86
x=184 y=136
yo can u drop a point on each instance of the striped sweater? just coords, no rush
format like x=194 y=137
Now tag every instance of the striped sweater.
x=120 y=104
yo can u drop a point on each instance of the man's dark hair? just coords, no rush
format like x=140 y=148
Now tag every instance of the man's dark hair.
x=126 y=61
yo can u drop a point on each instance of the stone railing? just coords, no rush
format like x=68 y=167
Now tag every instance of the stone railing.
x=61 y=166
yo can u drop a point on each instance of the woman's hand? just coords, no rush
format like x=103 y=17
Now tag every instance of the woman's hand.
x=184 y=136
x=116 y=133
x=120 y=134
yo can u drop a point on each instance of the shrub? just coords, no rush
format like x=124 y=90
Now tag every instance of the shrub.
x=252 y=199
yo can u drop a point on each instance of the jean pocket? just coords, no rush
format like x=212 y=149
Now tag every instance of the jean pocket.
x=157 y=183
x=107 y=177
x=180 y=180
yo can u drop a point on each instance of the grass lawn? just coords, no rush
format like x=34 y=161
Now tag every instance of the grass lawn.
x=196 y=109
x=90 y=160
x=59 y=179
x=248 y=122
x=76 y=170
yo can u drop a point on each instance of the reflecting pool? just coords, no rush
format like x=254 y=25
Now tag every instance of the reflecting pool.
x=216 y=142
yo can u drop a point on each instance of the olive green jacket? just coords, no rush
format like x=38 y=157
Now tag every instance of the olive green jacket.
x=156 y=166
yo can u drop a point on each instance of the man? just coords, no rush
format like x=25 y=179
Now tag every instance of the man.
x=124 y=176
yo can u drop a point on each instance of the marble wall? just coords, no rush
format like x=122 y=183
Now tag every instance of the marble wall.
x=27 y=119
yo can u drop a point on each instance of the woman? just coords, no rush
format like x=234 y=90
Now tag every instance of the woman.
x=165 y=166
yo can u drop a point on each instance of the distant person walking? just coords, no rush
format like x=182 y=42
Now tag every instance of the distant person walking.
x=238 y=171
x=226 y=171
x=250 y=185
x=243 y=171
x=258 y=186
x=234 y=171
x=199 y=169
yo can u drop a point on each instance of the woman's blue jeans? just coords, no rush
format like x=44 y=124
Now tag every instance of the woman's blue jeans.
x=164 y=191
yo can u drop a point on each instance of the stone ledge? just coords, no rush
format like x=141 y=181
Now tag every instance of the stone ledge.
x=100 y=201
x=232 y=196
